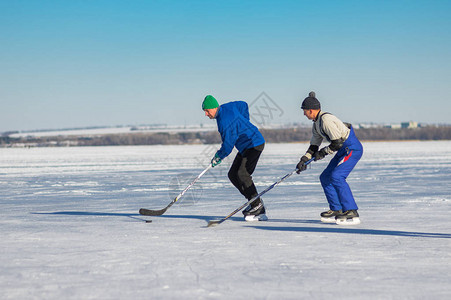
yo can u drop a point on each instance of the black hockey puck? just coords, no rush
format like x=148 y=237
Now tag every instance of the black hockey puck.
x=148 y=221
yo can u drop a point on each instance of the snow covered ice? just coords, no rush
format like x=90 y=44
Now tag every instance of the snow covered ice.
x=70 y=227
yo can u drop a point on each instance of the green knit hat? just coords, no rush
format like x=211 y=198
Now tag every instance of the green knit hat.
x=209 y=103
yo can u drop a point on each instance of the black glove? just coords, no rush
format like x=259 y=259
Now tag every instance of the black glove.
x=319 y=154
x=301 y=166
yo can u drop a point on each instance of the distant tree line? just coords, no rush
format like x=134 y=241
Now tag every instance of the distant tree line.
x=421 y=133
x=286 y=135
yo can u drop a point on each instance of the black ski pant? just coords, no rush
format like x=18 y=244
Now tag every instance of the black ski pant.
x=240 y=173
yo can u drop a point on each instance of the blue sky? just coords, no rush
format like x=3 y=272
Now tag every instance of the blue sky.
x=90 y=63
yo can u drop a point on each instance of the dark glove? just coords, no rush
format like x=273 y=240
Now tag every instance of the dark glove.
x=215 y=161
x=319 y=154
x=301 y=166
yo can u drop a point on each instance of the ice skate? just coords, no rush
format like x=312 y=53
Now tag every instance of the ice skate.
x=255 y=212
x=329 y=216
x=349 y=217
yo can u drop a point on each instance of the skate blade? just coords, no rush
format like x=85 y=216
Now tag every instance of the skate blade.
x=251 y=218
x=328 y=220
x=351 y=221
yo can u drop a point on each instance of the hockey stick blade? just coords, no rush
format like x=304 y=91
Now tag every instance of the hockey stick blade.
x=217 y=222
x=151 y=212
x=213 y=223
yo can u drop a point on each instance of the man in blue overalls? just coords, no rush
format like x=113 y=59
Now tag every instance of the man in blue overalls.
x=236 y=130
x=343 y=209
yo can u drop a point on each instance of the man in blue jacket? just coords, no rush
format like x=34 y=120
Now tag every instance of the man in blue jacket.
x=237 y=131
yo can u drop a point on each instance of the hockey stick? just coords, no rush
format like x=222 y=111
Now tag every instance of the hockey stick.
x=159 y=212
x=217 y=222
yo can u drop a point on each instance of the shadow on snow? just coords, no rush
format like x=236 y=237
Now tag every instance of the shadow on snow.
x=324 y=228
x=89 y=213
x=333 y=228
x=135 y=216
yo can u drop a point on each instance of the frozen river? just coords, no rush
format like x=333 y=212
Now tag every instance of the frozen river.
x=70 y=229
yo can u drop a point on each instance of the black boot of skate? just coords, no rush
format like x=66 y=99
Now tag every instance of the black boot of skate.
x=255 y=211
x=348 y=217
x=329 y=216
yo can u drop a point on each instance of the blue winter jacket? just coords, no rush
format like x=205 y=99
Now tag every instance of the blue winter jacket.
x=235 y=128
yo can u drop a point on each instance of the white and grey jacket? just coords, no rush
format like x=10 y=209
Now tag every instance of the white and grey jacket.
x=328 y=127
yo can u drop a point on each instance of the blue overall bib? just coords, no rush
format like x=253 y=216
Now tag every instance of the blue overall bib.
x=333 y=178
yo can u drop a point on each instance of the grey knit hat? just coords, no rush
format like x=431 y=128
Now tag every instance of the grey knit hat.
x=311 y=102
